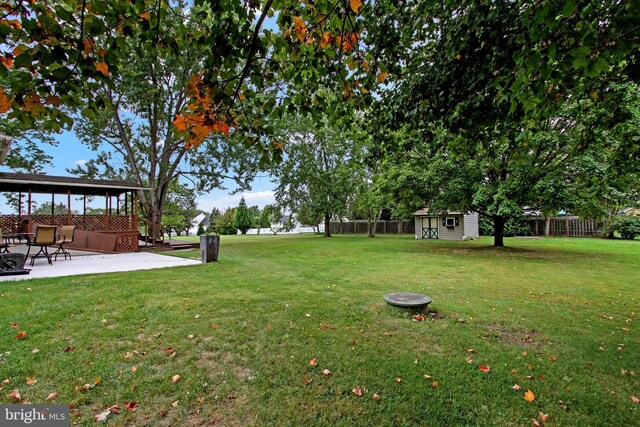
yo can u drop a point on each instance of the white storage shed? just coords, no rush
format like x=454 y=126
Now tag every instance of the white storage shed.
x=449 y=226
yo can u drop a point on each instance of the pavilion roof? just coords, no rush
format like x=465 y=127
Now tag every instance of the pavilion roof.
x=48 y=184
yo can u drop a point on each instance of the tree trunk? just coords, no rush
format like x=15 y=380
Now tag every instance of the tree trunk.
x=498 y=230
x=327 y=225
x=547 y=226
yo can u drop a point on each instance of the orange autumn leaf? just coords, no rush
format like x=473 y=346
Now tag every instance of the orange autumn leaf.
x=13 y=325
x=180 y=123
x=145 y=16
x=103 y=68
x=175 y=378
x=357 y=391
x=15 y=395
x=529 y=396
x=326 y=372
x=355 y=5
x=375 y=396
x=52 y=396
x=102 y=52
x=7 y=62
x=543 y=417
x=484 y=368
x=5 y=105
x=299 y=27
x=21 y=335
x=325 y=40
x=398 y=379
x=380 y=78
x=131 y=406
x=635 y=399
x=313 y=362
x=31 y=381
x=307 y=380
x=88 y=46
x=434 y=384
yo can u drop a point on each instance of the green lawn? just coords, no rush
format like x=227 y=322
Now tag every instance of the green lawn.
x=555 y=316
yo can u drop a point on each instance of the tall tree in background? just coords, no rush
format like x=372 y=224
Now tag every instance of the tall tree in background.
x=318 y=175
x=244 y=218
x=135 y=130
x=180 y=208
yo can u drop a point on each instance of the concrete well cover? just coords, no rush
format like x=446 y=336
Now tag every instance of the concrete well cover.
x=407 y=299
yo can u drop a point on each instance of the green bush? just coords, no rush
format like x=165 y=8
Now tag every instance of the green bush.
x=628 y=226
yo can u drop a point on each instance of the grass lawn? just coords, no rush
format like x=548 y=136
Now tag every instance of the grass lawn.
x=558 y=317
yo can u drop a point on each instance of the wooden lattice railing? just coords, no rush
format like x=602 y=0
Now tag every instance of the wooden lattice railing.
x=124 y=227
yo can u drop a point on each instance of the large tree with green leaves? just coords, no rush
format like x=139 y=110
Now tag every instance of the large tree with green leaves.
x=480 y=129
x=244 y=219
x=134 y=133
x=319 y=172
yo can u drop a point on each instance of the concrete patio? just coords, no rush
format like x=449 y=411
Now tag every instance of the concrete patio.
x=82 y=262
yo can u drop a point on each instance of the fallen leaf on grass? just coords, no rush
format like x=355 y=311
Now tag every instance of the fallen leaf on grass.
x=15 y=394
x=87 y=386
x=231 y=396
x=398 y=379
x=484 y=368
x=52 y=396
x=129 y=354
x=357 y=391
x=524 y=353
x=175 y=404
x=131 y=406
x=434 y=384
x=307 y=315
x=13 y=325
x=31 y=381
x=516 y=387
x=418 y=318
x=471 y=350
x=469 y=360
x=190 y=336
x=200 y=399
x=197 y=316
x=427 y=377
x=102 y=416
x=542 y=417
x=308 y=380
x=35 y=350
x=175 y=378
x=375 y=396
x=313 y=362
x=69 y=348
x=553 y=358
x=134 y=368
x=21 y=335
x=268 y=327
x=6 y=381
x=326 y=372
x=635 y=399
x=529 y=396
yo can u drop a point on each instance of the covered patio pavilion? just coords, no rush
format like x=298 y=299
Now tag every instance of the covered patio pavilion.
x=116 y=230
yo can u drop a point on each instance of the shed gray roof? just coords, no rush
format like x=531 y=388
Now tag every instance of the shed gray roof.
x=48 y=184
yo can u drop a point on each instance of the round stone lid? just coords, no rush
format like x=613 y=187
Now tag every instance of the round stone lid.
x=407 y=299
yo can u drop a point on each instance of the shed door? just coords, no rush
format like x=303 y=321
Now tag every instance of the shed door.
x=429 y=227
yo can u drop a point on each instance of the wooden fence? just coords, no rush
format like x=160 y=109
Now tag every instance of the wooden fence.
x=570 y=226
x=383 y=227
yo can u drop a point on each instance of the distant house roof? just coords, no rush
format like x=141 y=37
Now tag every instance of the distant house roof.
x=425 y=212
x=48 y=184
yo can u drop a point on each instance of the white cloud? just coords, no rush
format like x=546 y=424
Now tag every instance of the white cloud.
x=81 y=163
x=260 y=198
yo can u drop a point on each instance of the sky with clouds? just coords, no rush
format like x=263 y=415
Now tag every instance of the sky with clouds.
x=70 y=153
